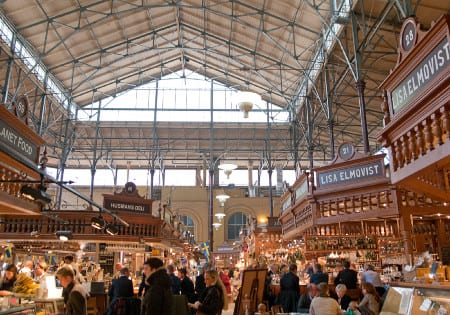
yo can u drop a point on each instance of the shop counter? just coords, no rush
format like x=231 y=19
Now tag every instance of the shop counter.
x=101 y=302
x=22 y=310
x=417 y=299
x=50 y=305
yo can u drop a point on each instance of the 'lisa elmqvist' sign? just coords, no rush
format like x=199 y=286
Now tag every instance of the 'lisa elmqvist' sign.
x=354 y=173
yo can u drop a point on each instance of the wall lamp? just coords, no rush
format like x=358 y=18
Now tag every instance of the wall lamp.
x=111 y=229
x=98 y=222
x=64 y=235
x=35 y=194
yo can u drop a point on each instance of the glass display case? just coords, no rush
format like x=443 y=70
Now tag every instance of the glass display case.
x=417 y=299
x=21 y=310
x=50 y=306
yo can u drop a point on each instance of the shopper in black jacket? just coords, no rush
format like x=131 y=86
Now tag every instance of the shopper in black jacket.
x=347 y=276
x=75 y=296
x=214 y=298
x=122 y=286
x=187 y=286
x=158 y=298
x=289 y=290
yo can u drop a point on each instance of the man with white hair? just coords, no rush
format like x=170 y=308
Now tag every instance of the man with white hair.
x=27 y=269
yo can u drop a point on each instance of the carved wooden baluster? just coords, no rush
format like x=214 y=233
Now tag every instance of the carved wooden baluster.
x=413 y=144
x=428 y=134
x=330 y=206
x=405 y=149
x=8 y=185
x=3 y=177
x=445 y=111
x=378 y=198
x=352 y=204
x=420 y=139
x=393 y=157
x=385 y=109
x=399 y=154
x=437 y=129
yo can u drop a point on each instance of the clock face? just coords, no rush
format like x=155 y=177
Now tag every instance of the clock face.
x=21 y=107
x=130 y=187
x=346 y=151
x=408 y=37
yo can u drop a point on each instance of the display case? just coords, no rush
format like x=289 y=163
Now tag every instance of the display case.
x=50 y=306
x=22 y=310
x=417 y=299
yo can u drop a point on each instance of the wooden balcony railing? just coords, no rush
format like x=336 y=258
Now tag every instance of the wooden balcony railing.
x=79 y=222
x=359 y=205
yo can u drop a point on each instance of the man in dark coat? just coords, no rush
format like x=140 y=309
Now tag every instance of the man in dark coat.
x=289 y=290
x=176 y=282
x=75 y=296
x=304 y=302
x=347 y=276
x=122 y=286
x=158 y=298
x=318 y=276
x=187 y=286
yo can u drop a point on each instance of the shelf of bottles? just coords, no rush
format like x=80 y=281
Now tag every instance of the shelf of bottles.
x=360 y=242
x=384 y=228
x=106 y=259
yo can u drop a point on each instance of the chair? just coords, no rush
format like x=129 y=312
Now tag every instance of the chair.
x=277 y=309
x=92 y=306
x=124 y=306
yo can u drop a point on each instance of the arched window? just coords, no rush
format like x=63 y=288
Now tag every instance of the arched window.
x=188 y=223
x=236 y=223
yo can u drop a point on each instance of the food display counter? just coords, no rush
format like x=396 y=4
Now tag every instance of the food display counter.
x=54 y=306
x=417 y=299
x=22 y=310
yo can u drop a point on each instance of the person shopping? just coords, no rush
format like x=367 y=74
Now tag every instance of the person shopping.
x=158 y=298
x=75 y=296
x=214 y=298
x=8 y=281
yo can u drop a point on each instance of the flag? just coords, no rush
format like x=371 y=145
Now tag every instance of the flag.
x=8 y=252
x=205 y=248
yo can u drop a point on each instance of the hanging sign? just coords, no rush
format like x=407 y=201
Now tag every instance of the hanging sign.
x=351 y=174
x=17 y=138
x=431 y=66
x=119 y=204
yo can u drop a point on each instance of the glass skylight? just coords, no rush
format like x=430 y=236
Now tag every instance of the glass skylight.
x=180 y=99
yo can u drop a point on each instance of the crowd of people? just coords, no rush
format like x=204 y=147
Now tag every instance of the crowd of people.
x=210 y=291
x=319 y=299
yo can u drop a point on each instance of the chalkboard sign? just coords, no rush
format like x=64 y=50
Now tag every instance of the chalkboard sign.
x=445 y=255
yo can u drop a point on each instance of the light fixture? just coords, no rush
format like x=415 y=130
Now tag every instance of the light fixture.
x=35 y=234
x=246 y=100
x=35 y=194
x=217 y=225
x=220 y=216
x=112 y=229
x=64 y=235
x=222 y=198
x=228 y=168
x=98 y=222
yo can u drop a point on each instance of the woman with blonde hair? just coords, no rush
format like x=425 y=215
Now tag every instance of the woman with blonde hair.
x=214 y=298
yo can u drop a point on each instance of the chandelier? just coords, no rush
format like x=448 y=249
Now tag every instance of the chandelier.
x=228 y=168
x=246 y=100
x=222 y=198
